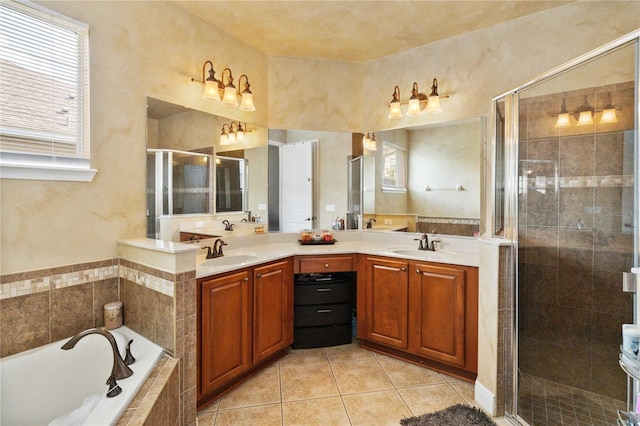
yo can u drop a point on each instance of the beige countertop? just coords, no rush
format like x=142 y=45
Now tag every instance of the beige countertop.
x=241 y=252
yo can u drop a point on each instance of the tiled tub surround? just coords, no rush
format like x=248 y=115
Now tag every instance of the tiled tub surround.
x=157 y=304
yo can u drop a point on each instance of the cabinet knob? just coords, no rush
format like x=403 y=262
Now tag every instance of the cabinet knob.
x=245 y=279
x=403 y=269
x=417 y=271
x=258 y=275
x=326 y=265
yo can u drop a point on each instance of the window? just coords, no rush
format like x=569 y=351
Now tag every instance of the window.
x=394 y=175
x=44 y=88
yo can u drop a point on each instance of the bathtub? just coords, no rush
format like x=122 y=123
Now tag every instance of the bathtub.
x=48 y=383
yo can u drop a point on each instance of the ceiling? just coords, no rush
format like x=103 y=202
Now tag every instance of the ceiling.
x=356 y=30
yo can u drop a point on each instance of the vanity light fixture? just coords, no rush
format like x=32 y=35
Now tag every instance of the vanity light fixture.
x=609 y=113
x=585 y=113
x=563 y=116
x=394 y=106
x=232 y=133
x=418 y=102
x=369 y=142
x=215 y=90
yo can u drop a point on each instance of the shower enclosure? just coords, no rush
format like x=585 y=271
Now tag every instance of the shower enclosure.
x=178 y=182
x=566 y=195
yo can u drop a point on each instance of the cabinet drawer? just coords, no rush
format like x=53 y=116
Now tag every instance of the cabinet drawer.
x=312 y=315
x=316 y=293
x=325 y=264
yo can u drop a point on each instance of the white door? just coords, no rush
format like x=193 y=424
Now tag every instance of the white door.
x=296 y=186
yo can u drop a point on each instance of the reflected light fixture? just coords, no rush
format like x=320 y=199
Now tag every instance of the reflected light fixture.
x=609 y=113
x=433 y=105
x=224 y=136
x=369 y=142
x=585 y=113
x=215 y=90
x=394 y=106
x=240 y=133
x=563 y=116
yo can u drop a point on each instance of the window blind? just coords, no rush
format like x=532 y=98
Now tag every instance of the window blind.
x=44 y=86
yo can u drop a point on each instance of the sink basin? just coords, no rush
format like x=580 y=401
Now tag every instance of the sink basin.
x=237 y=259
x=426 y=254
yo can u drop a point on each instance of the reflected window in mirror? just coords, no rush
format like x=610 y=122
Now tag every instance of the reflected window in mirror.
x=231 y=184
x=394 y=178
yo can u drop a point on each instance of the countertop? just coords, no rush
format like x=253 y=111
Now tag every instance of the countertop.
x=264 y=248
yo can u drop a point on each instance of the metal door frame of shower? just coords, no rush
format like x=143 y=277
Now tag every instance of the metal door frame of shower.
x=510 y=199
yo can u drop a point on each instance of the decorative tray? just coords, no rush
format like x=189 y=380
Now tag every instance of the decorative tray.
x=317 y=243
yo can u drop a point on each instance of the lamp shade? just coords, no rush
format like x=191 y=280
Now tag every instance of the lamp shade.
x=394 y=110
x=210 y=92
x=563 y=120
x=232 y=138
x=230 y=98
x=240 y=135
x=433 y=105
x=414 y=107
x=609 y=116
x=224 y=139
x=585 y=118
x=246 y=103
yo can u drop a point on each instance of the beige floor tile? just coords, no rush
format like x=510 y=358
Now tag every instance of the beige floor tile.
x=322 y=411
x=263 y=415
x=298 y=357
x=403 y=374
x=376 y=408
x=360 y=376
x=467 y=390
x=426 y=399
x=307 y=382
x=264 y=388
x=351 y=352
x=211 y=407
x=207 y=418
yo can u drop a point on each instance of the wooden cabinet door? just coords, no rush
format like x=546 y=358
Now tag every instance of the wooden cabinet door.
x=387 y=298
x=225 y=337
x=437 y=313
x=272 y=309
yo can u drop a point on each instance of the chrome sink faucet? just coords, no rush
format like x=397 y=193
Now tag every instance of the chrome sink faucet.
x=120 y=369
x=216 y=250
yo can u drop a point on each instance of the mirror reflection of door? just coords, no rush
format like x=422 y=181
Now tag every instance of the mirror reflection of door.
x=297 y=186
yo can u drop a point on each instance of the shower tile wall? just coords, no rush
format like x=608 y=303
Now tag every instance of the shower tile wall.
x=575 y=238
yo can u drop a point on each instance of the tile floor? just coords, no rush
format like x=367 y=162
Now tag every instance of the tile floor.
x=339 y=385
x=544 y=402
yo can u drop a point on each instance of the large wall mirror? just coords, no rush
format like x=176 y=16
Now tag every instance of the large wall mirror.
x=203 y=177
x=427 y=177
x=192 y=172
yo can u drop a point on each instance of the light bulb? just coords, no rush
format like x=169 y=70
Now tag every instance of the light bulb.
x=563 y=120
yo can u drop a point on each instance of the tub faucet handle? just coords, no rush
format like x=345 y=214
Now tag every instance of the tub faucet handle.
x=128 y=358
x=114 y=387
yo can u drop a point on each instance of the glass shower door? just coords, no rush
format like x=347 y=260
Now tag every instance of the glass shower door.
x=574 y=140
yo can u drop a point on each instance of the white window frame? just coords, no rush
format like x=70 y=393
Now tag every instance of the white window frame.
x=36 y=166
x=400 y=184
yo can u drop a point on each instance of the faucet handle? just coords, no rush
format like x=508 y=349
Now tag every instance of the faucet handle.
x=128 y=358
x=114 y=387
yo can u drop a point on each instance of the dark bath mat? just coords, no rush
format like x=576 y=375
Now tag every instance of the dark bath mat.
x=458 y=415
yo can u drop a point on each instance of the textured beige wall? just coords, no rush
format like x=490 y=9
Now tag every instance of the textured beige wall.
x=138 y=49
x=443 y=157
x=141 y=49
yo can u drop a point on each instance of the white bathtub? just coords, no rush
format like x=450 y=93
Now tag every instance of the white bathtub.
x=46 y=383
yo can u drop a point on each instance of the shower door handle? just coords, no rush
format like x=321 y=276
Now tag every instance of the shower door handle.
x=630 y=280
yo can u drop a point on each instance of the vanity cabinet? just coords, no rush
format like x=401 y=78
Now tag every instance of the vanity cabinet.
x=224 y=329
x=272 y=309
x=245 y=321
x=423 y=312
